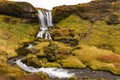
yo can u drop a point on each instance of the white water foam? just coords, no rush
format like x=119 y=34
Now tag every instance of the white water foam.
x=52 y=72
x=44 y=31
x=45 y=18
x=30 y=46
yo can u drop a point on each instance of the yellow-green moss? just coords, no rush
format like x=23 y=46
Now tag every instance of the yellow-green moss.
x=72 y=62
x=51 y=64
x=12 y=36
x=90 y=55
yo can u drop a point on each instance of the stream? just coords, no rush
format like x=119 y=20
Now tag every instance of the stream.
x=45 y=18
x=63 y=74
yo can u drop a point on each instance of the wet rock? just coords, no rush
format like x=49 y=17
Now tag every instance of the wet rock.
x=33 y=50
x=70 y=41
x=22 y=51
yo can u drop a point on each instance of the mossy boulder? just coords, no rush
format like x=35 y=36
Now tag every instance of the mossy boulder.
x=54 y=51
x=32 y=60
x=18 y=9
x=113 y=19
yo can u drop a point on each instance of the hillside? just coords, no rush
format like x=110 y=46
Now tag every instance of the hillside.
x=83 y=35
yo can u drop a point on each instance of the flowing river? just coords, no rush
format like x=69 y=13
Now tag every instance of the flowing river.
x=63 y=74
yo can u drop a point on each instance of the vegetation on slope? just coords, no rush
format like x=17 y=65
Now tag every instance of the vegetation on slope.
x=13 y=34
x=89 y=37
x=98 y=42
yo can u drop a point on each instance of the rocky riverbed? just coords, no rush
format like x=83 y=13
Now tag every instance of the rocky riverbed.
x=81 y=74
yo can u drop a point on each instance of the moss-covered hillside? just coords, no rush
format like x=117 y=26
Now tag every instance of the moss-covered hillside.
x=85 y=35
x=13 y=34
x=78 y=43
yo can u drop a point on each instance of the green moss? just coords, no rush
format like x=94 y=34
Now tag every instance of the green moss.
x=98 y=34
x=43 y=75
x=73 y=78
x=72 y=62
x=51 y=64
x=11 y=72
x=90 y=57
x=12 y=36
x=32 y=60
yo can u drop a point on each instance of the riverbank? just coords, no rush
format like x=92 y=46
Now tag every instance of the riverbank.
x=64 y=74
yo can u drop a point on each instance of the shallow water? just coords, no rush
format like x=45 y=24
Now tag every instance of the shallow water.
x=94 y=74
x=63 y=74
x=52 y=72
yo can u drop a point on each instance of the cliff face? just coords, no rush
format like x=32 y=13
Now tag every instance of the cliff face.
x=95 y=10
x=18 y=9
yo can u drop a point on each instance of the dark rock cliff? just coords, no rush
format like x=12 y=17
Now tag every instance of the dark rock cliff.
x=92 y=11
x=18 y=9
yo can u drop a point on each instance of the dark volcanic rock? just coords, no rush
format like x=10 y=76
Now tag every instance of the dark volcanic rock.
x=92 y=11
x=70 y=41
x=18 y=9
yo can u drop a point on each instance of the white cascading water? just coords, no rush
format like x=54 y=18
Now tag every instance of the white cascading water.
x=52 y=72
x=30 y=46
x=45 y=18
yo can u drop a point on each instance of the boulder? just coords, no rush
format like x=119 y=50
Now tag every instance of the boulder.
x=18 y=9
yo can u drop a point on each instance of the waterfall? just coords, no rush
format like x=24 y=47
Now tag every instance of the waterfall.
x=45 y=18
x=52 y=72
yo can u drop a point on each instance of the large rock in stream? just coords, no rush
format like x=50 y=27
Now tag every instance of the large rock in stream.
x=18 y=9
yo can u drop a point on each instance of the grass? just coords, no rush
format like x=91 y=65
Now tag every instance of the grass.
x=90 y=56
x=72 y=62
x=97 y=42
x=51 y=64
x=12 y=72
x=99 y=34
x=12 y=36
x=74 y=25
x=105 y=36
x=98 y=47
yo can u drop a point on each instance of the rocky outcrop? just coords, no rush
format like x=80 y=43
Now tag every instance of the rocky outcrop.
x=18 y=9
x=92 y=11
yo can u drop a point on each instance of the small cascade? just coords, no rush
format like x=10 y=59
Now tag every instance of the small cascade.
x=30 y=45
x=52 y=72
x=45 y=18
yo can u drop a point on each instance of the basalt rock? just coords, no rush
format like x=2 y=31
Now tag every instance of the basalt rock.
x=70 y=41
x=18 y=9
x=92 y=11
